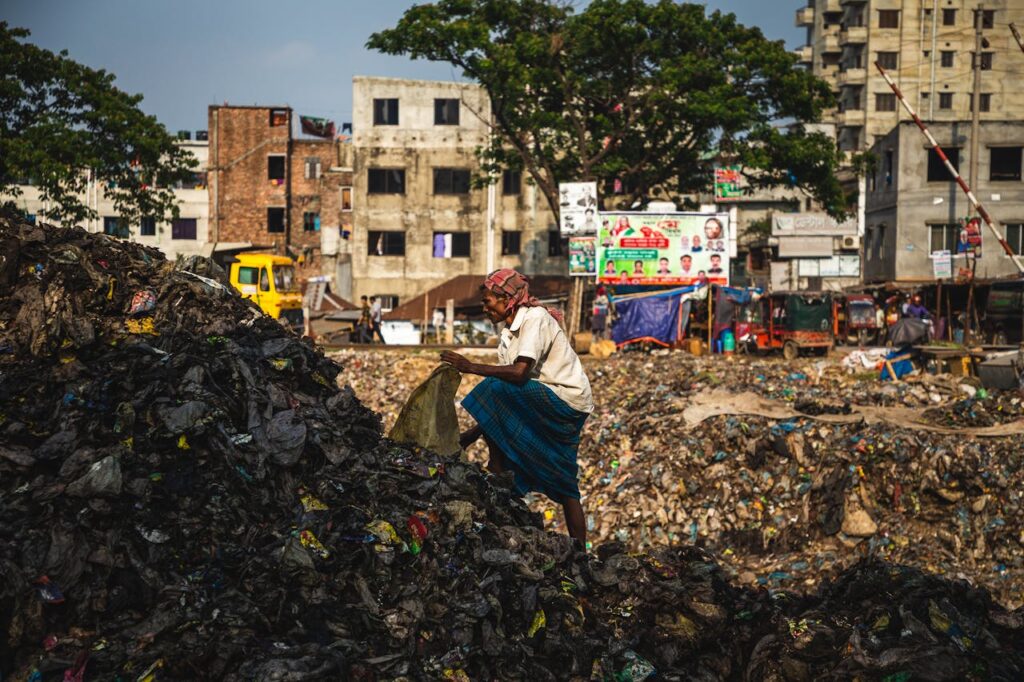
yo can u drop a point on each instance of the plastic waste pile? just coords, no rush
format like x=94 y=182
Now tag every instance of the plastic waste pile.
x=186 y=493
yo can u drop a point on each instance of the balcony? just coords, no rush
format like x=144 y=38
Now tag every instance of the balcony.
x=852 y=77
x=851 y=118
x=805 y=16
x=853 y=35
x=830 y=43
x=804 y=54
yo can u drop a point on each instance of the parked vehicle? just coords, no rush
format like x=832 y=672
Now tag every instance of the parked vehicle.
x=793 y=321
x=269 y=280
x=855 y=319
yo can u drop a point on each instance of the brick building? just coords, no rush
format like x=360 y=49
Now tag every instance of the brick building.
x=272 y=189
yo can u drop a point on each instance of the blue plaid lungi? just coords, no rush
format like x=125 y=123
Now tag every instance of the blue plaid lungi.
x=538 y=433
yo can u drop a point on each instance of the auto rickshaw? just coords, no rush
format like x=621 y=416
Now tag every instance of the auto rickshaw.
x=855 y=319
x=794 y=321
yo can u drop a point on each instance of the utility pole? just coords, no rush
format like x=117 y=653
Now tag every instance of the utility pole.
x=976 y=99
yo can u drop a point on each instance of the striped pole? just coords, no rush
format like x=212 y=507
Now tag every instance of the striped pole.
x=952 y=170
x=1017 y=37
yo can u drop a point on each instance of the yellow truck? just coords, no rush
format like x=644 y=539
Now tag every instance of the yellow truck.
x=269 y=280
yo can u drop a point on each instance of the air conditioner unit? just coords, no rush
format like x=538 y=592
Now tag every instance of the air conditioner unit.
x=851 y=242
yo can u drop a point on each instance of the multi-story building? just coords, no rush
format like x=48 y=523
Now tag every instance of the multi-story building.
x=927 y=46
x=268 y=187
x=418 y=218
x=914 y=207
x=185 y=235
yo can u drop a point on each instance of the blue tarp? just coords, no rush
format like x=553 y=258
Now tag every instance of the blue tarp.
x=657 y=317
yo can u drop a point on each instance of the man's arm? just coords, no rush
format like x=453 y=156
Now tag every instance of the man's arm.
x=516 y=373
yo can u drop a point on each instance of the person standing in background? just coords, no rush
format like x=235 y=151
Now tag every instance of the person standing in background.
x=599 y=319
x=376 y=317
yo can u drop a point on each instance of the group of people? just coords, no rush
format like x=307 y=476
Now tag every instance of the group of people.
x=370 y=318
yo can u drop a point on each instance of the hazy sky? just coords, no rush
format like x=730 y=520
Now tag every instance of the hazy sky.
x=184 y=55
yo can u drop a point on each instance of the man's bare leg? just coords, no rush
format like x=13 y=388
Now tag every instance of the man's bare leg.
x=575 y=520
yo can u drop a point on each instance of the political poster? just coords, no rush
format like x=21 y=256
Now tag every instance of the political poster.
x=969 y=241
x=577 y=207
x=663 y=248
x=582 y=256
x=728 y=183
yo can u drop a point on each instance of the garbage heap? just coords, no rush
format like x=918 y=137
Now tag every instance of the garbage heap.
x=787 y=501
x=186 y=494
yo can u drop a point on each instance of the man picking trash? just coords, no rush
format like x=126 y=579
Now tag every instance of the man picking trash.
x=531 y=406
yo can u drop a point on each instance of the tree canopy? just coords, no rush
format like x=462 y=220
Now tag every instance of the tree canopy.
x=61 y=120
x=651 y=94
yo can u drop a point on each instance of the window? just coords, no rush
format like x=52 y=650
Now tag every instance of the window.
x=986 y=61
x=984 y=102
x=948 y=17
x=888 y=18
x=945 y=100
x=312 y=167
x=275 y=220
x=446 y=112
x=385 y=112
x=556 y=245
x=183 y=228
x=887 y=167
x=885 y=101
x=248 y=275
x=511 y=242
x=451 y=181
x=115 y=227
x=988 y=18
x=451 y=245
x=147 y=227
x=946 y=58
x=310 y=221
x=380 y=243
x=346 y=198
x=275 y=167
x=943 y=237
x=1015 y=237
x=386 y=181
x=889 y=60
x=278 y=117
x=1004 y=163
x=937 y=169
x=193 y=181
x=264 y=280
x=511 y=182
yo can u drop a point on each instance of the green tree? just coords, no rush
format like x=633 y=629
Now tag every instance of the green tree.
x=61 y=121
x=649 y=94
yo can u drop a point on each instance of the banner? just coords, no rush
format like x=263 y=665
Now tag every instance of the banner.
x=582 y=256
x=663 y=248
x=319 y=127
x=577 y=207
x=942 y=265
x=969 y=242
x=728 y=183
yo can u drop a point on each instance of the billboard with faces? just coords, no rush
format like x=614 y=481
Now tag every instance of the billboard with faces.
x=663 y=248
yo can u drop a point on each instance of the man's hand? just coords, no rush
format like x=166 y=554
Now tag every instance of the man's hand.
x=457 y=361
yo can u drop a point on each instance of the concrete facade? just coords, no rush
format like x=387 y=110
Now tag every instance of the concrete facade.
x=193 y=208
x=903 y=204
x=415 y=144
x=928 y=45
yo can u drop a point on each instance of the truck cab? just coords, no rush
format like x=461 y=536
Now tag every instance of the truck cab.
x=270 y=282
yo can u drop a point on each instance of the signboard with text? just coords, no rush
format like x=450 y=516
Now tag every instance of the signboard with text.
x=582 y=256
x=728 y=183
x=577 y=207
x=663 y=248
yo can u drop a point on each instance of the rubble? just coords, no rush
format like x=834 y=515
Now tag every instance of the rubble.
x=187 y=493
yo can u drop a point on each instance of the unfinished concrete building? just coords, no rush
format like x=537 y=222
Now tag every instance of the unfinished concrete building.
x=927 y=46
x=914 y=207
x=418 y=220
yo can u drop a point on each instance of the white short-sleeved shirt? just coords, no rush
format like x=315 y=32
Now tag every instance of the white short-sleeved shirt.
x=535 y=334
